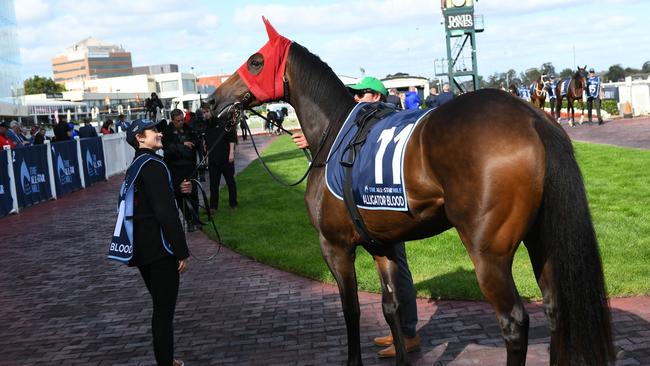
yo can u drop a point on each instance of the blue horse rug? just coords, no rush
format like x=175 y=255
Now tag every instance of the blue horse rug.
x=564 y=86
x=377 y=173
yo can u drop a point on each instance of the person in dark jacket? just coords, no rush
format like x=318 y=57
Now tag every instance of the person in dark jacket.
x=154 y=105
x=393 y=99
x=443 y=97
x=221 y=158
x=62 y=131
x=87 y=130
x=180 y=147
x=155 y=212
x=40 y=137
x=430 y=101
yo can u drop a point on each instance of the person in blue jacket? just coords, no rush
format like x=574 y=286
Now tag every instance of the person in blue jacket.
x=412 y=99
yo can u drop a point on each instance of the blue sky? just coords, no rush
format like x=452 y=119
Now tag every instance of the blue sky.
x=382 y=37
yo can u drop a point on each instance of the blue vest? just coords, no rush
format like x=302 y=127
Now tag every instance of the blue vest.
x=593 y=86
x=121 y=248
x=524 y=93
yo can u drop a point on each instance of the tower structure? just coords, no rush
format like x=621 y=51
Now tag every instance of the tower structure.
x=461 y=26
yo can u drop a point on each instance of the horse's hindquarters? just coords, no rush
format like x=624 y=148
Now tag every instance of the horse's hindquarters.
x=481 y=157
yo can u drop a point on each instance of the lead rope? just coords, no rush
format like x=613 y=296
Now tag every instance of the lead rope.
x=195 y=217
x=310 y=159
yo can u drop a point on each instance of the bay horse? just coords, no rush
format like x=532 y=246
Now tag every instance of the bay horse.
x=538 y=91
x=495 y=168
x=574 y=91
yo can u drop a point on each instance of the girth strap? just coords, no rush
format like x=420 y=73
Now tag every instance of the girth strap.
x=368 y=116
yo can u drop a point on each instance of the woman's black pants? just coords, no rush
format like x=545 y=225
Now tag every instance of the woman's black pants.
x=161 y=278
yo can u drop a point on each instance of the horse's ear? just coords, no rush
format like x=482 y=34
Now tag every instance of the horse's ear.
x=269 y=28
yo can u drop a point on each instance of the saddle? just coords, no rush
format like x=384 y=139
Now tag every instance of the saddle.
x=367 y=117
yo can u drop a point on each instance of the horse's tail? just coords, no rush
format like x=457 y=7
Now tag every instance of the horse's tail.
x=577 y=286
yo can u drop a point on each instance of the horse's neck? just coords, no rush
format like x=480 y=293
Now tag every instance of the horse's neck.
x=574 y=87
x=319 y=109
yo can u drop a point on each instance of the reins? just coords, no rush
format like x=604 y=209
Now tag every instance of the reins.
x=310 y=159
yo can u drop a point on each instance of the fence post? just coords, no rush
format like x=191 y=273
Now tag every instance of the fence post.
x=81 y=163
x=50 y=168
x=12 y=186
x=103 y=137
x=122 y=149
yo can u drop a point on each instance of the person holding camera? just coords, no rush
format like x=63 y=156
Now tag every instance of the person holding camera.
x=221 y=158
x=180 y=147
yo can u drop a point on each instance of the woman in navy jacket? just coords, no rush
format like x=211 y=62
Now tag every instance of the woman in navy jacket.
x=159 y=248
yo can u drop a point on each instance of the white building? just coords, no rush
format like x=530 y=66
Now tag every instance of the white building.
x=111 y=96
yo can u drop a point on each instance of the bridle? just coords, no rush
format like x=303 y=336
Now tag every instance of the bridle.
x=541 y=92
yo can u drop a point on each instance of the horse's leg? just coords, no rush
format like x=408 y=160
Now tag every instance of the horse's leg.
x=558 y=108
x=570 y=109
x=388 y=269
x=491 y=228
x=494 y=274
x=340 y=260
x=543 y=273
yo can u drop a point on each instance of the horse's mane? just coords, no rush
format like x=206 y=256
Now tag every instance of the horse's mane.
x=319 y=80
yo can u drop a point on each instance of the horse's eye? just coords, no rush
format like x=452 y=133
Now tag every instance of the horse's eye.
x=255 y=63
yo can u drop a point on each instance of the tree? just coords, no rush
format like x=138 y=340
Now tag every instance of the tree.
x=532 y=74
x=42 y=85
x=493 y=81
x=646 y=67
x=615 y=73
x=566 y=73
x=547 y=68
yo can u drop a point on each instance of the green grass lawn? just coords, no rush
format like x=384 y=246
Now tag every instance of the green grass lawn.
x=271 y=226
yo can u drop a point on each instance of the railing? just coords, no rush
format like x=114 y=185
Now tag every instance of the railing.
x=30 y=175
x=117 y=153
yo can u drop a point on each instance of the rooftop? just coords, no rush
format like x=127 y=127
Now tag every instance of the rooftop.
x=93 y=43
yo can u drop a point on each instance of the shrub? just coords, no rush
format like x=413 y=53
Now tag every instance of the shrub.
x=609 y=105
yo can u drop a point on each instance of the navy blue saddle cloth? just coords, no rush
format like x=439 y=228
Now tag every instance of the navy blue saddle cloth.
x=377 y=172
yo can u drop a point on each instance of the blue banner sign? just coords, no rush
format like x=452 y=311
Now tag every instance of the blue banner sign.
x=67 y=177
x=93 y=160
x=6 y=202
x=32 y=176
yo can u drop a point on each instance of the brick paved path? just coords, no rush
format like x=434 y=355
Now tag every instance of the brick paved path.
x=63 y=303
x=625 y=132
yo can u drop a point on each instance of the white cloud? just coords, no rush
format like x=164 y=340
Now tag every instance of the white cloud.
x=340 y=16
x=31 y=11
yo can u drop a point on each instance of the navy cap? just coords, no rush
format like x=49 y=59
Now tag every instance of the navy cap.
x=591 y=70
x=138 y=126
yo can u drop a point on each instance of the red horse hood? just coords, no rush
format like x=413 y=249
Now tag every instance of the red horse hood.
x=268 y=84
